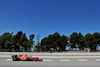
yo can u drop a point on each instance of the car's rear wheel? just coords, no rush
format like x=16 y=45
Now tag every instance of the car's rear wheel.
x=14 y=59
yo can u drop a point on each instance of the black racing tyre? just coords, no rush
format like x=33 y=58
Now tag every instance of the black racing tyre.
x=35 y=59
x=14 y=56
x=14 y=59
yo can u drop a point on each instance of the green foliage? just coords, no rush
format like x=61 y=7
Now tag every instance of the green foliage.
x=54 y=41
x=18 y=42
x=6 y=41
x=74 y=39
x=87 y=41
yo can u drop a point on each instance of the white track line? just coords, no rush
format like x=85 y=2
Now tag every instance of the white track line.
x=97 y=59
x=9 y=59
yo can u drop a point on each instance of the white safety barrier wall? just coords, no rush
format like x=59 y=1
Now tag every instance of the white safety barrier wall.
x=51 y=54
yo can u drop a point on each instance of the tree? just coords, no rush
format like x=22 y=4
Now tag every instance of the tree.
x=96 y=41
x=89 y=41
x=31 y=36
x=81 y=41
x=62 y=42
x=54 y=41
x=25 y=43
x=50 y=42
x=74 y=39
x=31 y=42
x=20 y=40
x=6 y=41
x=16 y=40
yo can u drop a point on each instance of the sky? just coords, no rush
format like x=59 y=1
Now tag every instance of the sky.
x=45 y=17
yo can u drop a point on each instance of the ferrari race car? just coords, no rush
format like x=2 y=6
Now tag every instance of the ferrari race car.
x=25 y=58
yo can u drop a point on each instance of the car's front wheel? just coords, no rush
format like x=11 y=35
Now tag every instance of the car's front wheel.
x=35 y=59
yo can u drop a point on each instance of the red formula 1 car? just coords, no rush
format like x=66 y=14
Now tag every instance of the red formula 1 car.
x=25 y=58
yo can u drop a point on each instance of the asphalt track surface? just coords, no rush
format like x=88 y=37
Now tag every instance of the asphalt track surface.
x=4 y=63
x=58 y=57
